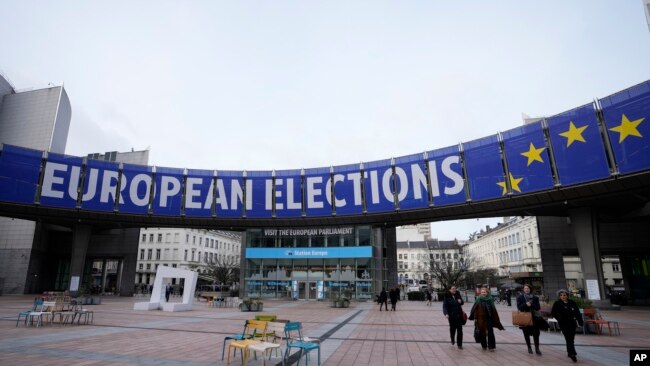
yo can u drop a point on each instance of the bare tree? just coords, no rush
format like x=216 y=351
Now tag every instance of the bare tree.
x=221 y=271
x=449 y=271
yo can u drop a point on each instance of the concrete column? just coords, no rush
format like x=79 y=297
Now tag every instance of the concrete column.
x=80 y=240
x=585 y=230
x=377 y=253
x=554 y=277
x=104 y=272
x=390 y=238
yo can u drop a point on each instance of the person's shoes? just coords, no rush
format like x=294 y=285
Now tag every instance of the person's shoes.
x=484 y=348
x=573 y=357
x=453 y=343
x=537 y=351
x=530 y=350
x=491 y=349
x=460 y=347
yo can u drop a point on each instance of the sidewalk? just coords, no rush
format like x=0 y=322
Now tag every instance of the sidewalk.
x=360 y=335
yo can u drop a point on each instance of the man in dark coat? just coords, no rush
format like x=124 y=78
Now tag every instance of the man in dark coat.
x=383 y=299
x=392 y=294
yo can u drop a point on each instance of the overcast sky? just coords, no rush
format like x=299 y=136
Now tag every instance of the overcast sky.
x=261 y=85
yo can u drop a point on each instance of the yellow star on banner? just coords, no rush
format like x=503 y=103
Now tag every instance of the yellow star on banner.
x=627 y=128
x=514 y=183
x=533 y=154
x=574 y=134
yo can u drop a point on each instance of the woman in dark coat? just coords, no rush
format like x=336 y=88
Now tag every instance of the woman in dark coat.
x=392 y=295
x=485 y=317
x=451 y=307
x=567 y=314
x=530 y=303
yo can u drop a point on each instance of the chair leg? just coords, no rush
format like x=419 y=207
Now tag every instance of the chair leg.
x=223 y=351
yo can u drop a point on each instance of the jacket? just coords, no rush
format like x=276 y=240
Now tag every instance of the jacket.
x=451 y=306
x=485 y=314
x=566 y=314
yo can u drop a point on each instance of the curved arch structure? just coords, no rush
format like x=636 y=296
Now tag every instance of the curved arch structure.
x=588 y=152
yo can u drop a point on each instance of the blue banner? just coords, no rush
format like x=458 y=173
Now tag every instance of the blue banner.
x=378 y=183
x=230 y=194
x=135 y=189
x=627 y=117
x=168 y=191
x=19 y=171
x=262 y=194
x=318 y=200
x=288 y=193
x=347 y=190
x=446 y=176
x=484 y=168
x=577 y=146
x=314 y=252
x=529 y=166
x=100 y=185
x=61 y=180
x=199 y=193
x=411 y=182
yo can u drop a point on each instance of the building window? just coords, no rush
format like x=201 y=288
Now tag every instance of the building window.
x=157 y=254
x=187 y=238
x=193 y=254
x=168 y=237
x=174 y=265
x=159 y=238
x=185 y=257
x=144 y=237
x=150 y=238
x=141 y=266
x=141 y=254
x=156 y=266
x=616 y=267
x=193 y=239
x=149 y=254
x=148 y=266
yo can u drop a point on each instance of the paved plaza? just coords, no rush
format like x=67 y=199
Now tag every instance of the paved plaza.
x=359 y=335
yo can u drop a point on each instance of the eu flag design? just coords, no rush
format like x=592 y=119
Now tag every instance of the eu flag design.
x=527 y=159
x=484 y=168
x=627 y=117
x=577 y=146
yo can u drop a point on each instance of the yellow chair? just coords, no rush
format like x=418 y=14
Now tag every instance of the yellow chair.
x=253 y=327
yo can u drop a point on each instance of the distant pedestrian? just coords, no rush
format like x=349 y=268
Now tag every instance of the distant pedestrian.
x=180 y=289
x=398 y=293
x=168 y=292
x=566 y=312
x=485 y=317
x=383 y=299
x=429 y=297
x=392 y=294
x=452 y=308
x=509 y=297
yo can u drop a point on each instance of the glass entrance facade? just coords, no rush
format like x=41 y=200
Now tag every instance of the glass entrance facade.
x=310 y=264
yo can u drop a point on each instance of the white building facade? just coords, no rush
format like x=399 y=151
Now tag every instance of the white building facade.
x=510 y=247
x=183 y=248
x=414 y=259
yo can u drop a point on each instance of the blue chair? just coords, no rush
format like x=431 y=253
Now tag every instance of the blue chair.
x=237 y=337
x=293 y=335
x=26 y=313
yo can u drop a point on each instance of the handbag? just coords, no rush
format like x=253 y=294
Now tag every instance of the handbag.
x=464 y=318
x=522 y=318
x=477 y=335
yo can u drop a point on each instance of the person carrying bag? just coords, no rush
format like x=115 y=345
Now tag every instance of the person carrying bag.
x=529 y=303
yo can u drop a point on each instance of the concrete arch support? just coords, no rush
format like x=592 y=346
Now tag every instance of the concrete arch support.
x=584 y=222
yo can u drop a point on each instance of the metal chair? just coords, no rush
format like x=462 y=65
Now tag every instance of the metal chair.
x=26 y=313
x=253 y=327
x=237 y=337
x=295 y=339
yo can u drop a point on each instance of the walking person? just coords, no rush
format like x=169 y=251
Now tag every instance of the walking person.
x=509 y=297
x=392 y=294
x=528 y=302
x=429 y=297
x=567 y=314
x=452 y=308
x=485 y=317
x=383 y=299
x=168 y=291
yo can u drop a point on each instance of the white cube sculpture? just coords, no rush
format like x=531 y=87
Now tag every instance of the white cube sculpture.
x=158 y=301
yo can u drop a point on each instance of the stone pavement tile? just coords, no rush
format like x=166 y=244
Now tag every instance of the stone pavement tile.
x=414 y=335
